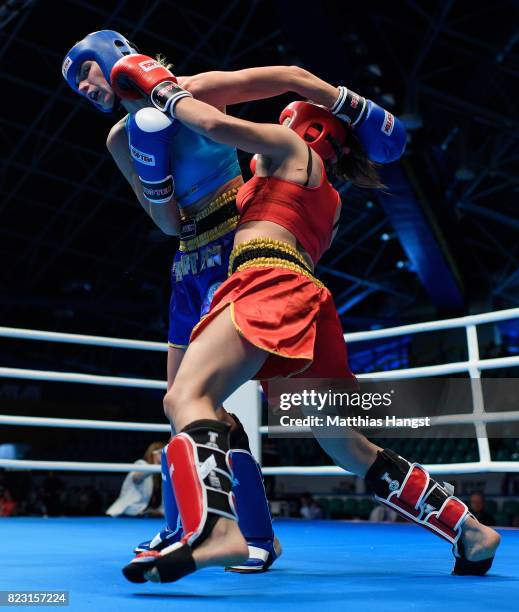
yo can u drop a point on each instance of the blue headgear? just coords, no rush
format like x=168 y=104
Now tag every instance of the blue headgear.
x=104 y=47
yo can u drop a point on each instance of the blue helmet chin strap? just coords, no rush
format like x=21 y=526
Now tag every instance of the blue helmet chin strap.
x=104 y=47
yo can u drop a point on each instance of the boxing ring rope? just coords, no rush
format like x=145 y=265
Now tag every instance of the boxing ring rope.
x=473 y=366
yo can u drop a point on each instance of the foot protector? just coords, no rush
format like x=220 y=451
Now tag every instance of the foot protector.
x=262 y=554
x=136 y=570
x=174 y=565
x=164 y=538
x=464 y=567
x=170 y=565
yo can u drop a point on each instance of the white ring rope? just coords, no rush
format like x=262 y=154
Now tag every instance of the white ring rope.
x=475 y=467
x=414 y=328
x=89 y=379
x=480 y=319
x=82 y=423
x=77 y=466
x=147 y=383
x=479 y=418
x=322 y=470
x=450 y=419
x=46 y=336
x=442 y=369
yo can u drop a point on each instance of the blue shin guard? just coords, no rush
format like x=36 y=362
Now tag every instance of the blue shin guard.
x=253 y=514
x=168 y=497
x=172 y=531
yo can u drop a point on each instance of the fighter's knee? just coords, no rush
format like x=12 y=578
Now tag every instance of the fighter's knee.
x=178 y=397
x=167 y=405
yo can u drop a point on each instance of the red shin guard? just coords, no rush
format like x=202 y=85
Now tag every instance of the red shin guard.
x=198 y=460
x=408 y=489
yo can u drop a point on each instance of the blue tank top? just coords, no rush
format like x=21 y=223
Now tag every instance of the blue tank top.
x=199 y=165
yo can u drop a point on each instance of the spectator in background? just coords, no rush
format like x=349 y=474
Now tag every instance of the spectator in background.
x=310 y=509
x=33 y=503
x=53 y=492
x=141 y=491
x=7 y=504
x=89 y=502
x=477 y=507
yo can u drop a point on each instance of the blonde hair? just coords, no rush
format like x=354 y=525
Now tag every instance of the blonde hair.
x=154 y=446
x=162 y=60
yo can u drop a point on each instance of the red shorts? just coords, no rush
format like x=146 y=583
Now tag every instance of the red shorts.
x=278 y=306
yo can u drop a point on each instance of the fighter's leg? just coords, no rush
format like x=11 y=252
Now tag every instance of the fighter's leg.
x=252 y=506
x=254 y=518
x=215 y=364
x=409 y=489
x=175 y=356
x=172 y=531
x=405 y=487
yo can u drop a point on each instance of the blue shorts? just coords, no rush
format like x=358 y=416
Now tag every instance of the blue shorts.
x=195 y=276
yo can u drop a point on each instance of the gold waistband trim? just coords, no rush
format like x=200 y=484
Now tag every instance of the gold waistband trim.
x=276 y=262
x=216 y=232
x=221 y=200
x=266 y=243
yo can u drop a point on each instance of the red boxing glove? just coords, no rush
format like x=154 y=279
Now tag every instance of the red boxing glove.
x=135 y=75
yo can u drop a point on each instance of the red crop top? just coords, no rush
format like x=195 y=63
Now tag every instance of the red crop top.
x=306 y=212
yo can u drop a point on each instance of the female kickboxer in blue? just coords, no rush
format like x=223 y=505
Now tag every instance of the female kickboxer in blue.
x=187 y=184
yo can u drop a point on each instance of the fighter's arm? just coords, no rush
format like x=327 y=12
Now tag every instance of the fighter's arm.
x=220 y=88
x=127 y=76
x=381 y=134
x=166 y=217
x=268 y=139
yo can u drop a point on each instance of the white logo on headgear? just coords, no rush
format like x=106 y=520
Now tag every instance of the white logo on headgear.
x=148 y=65
x=144 y=158
x=389 y=123
x=67 y=63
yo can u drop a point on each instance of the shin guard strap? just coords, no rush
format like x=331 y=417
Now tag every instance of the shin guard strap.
x=238 y=437
x=176 y=563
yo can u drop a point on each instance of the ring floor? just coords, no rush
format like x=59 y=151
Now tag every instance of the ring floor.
x=334 y=565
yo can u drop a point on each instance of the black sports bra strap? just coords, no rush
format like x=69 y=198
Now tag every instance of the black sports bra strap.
x=308 y=167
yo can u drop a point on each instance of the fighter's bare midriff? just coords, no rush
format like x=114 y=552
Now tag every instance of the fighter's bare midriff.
x=196 y=207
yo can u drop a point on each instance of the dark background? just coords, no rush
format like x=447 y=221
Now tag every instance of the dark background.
x=79 y=255
x=77 y=252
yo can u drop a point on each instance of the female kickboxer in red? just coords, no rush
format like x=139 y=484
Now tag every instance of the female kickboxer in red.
x=273 y=318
